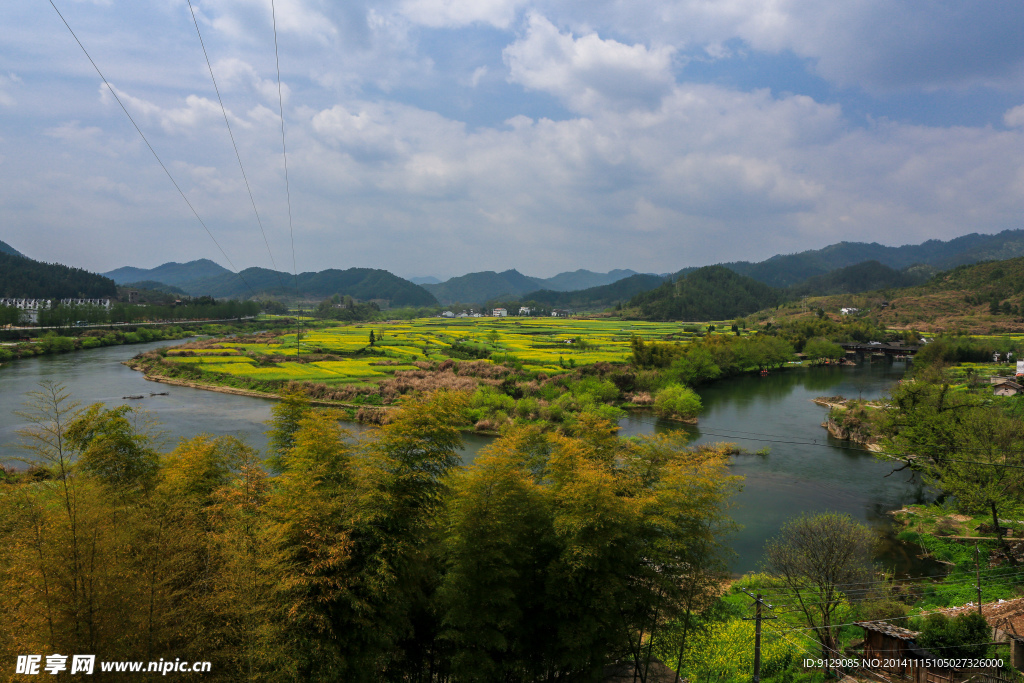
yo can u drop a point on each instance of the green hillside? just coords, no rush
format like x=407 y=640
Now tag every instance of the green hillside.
x=981 y=298
x=22 y=277
x=584 y=279
x=785 y=270
x=596 y=297
x=360 y=283
x=863 y=277
x=169 y=273
x=709 y=293
x=483 y=286
x=153 y=285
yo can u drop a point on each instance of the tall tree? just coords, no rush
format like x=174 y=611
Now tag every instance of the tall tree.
x=821 y=558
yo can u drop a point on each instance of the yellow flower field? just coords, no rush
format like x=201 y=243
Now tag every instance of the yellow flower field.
x=537 y=343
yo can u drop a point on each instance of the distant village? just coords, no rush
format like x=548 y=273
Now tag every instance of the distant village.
x=31 y=307
x=524 y=311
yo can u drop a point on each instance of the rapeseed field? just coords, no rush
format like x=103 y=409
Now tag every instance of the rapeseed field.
x=345 y=355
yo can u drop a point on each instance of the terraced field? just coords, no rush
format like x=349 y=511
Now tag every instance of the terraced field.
x=535 y=343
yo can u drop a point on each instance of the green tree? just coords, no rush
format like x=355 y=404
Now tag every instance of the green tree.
x=696 y=367
x=821 y=558
x=675 y=400
x=820 y=350
x=112 y=449
x=962 y=443
x=284 y=422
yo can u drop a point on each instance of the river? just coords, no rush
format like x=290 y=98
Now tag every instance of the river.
x=752 y=411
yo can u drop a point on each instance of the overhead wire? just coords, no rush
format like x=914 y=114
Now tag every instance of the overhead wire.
x=284 y=146
x=287 y=183
x=151 y=149
x=231 y=134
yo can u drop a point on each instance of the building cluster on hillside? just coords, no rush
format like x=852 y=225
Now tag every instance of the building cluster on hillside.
x=31 y=307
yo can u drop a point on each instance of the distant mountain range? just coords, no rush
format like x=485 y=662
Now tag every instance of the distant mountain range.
x=846 y=267
x=175 y=274
x=790 y=269
x=204 y=277
x=487 y=285
x=603 y=296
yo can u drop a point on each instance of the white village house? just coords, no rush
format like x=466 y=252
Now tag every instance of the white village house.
x=31 y=307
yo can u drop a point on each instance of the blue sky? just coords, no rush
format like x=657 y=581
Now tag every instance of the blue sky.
x=446 y=136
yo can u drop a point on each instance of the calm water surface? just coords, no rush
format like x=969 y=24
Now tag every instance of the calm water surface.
x=754 y=412
x=827 y=474
x=98 y=375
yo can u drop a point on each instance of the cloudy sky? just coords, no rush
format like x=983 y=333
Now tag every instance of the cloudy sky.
x=439 y=137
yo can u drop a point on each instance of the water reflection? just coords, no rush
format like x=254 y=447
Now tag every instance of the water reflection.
x=806 y=469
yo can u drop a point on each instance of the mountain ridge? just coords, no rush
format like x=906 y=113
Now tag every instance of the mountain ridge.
x=8 y=249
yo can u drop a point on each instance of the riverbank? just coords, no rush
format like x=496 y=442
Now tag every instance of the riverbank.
x=32 y=342
x=810 y=475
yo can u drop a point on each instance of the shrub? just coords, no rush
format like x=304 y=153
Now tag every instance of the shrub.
x=675 y=400
x=966 y=635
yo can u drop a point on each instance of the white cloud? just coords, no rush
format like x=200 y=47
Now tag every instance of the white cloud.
x=478 y=75
x=234 y=72
x=197 y=111
x=588 y=71
x=295 y=18
x=588 y=154
x=1014 y=117
x=875 y=44
x=455 y=13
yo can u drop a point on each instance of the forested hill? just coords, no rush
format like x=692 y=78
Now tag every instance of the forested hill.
x=584 y=279
x=483 y=286
x=8 y=249
x=169 y=273
x=863 y=277
x=790 y=269
x=360 y=283
x=709 y=293
x=489 y=285
x=22 y=277
x=596 y=297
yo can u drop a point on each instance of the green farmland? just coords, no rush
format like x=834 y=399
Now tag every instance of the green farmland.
x=341 y=355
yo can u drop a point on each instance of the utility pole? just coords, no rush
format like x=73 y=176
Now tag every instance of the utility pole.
x=757 y=619
x=977 y=572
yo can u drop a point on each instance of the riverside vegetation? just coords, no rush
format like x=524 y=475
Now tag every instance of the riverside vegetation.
x=550 y=373
x=360 y=560
x=380 y=559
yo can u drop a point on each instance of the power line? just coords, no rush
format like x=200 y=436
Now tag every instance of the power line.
x=155 y=155
x=233 y=144
x=287 y=184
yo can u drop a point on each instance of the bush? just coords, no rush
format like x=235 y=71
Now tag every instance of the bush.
x=675 y=400
x=603 y=391
x=966 y=635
